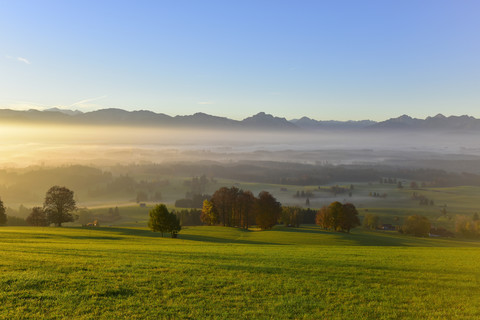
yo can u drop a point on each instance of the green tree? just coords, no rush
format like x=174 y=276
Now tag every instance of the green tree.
x=338 y=217
x=173 y=224
x=59 y=205
x=417 y=225
x=159 y=219
x=267 y=210
x=245 y=204
x=291 y=216
x=3 y=215
x=349 y=217
x=335 y=211
x=37 y=217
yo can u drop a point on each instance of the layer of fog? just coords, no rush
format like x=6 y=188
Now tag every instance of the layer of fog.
x=93 y=145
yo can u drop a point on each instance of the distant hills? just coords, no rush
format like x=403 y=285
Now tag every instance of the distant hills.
x=260 y=121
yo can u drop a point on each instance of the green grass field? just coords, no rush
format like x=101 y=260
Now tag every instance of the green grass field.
x=225 y=273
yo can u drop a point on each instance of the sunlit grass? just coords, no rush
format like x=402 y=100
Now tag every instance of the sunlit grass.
x=225 y=273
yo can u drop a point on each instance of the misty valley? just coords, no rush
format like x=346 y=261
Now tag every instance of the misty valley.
x=144 y=221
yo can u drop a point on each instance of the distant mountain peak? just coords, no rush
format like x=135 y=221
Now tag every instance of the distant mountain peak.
x=64 y=111
x=264 y=120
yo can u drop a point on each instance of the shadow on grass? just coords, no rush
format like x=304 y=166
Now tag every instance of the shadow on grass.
x=151 y=234
x=193 y=237
x=91 y=237
x=302 y=230
x=359 y=239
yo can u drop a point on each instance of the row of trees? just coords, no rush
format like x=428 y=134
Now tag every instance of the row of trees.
x=338 y=217
x=468 y=227
x=235 y=207
x=59 y=207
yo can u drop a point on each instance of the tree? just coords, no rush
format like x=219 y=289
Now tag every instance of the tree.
x=291 y=216
x=85 y=216
x=37 y=217
x=173 y=225
x=209 y=214
x=221 y=200
x=245 y=203
x=467 y=226
x=338 y=217
x=323 y=219
x=371 y=221
x=163 y=221
x=349 y=217
x=267 y=210
x=335 y=210
x=417 y=225
x=159 y=219
x=3 y=215
x=59 y=205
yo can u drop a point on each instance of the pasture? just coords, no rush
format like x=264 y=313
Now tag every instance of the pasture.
x=226 y=273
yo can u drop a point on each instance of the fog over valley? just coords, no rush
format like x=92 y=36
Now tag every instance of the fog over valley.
x=26 y=145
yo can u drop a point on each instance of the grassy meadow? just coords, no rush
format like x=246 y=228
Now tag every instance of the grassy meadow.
x=226 y=273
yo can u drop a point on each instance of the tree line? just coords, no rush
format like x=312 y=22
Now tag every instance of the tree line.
x=234 y=207
x=58 y=207
x=338 y=217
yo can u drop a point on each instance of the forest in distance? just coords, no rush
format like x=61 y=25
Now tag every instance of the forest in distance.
x=26 y=185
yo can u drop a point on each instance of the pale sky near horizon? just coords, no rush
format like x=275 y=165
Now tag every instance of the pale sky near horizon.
x=343 y=60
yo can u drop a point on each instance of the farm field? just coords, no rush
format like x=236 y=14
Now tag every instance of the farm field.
x=226 y=273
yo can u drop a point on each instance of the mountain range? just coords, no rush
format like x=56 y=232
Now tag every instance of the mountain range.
x=260 y=121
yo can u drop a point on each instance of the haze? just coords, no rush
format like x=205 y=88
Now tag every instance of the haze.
x=106 y=145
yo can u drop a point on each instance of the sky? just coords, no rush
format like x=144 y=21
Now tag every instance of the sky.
x=343 y=60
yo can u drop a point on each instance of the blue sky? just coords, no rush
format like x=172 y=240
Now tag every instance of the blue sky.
x=323 y=59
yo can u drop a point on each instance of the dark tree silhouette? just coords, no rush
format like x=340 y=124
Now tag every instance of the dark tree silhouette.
x=245 y=208
x=267 y=209
x=37 y=217
x=349 y=217
x=3 y=215
x=59 y=205
x=173 y=225
x=221 y=201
